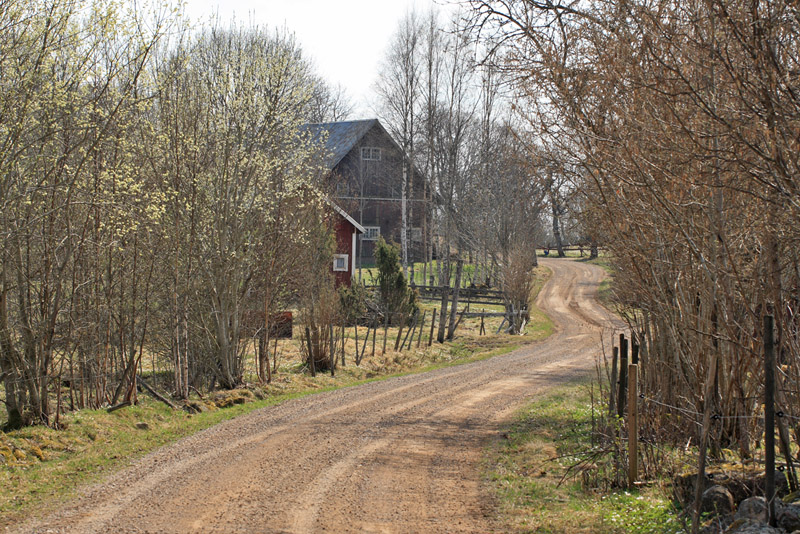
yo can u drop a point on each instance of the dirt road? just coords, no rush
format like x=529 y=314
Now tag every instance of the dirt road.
x=399 y=455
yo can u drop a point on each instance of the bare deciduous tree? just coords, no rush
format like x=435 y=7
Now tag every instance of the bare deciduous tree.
x=678 y=117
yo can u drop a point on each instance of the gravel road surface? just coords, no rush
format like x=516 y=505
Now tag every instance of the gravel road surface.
x=399 y=455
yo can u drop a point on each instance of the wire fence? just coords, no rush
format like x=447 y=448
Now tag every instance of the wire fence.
x=697 y=416
x=673 y=430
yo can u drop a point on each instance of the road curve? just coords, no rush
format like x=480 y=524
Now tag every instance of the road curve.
x=399 y=455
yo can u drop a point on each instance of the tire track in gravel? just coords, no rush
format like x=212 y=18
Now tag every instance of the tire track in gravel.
x=398 y=455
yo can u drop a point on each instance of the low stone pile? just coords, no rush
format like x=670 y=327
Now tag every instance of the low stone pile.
x=750 y=515
x=730 y=503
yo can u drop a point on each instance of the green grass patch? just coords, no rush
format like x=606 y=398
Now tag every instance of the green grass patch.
x=527 y=471
x=605 y=292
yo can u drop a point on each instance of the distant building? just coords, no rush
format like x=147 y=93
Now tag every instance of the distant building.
x=365 y=173
x=347 y=231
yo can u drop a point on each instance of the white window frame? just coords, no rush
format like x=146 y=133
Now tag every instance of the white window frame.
x=371 y=233
x=343 y=258
x=369 y=153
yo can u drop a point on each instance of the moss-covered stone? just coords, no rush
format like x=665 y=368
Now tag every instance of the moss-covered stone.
x=792 y=497
x=226 y=399
x=38 y=453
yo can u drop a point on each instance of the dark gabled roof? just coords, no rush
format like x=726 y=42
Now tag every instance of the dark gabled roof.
x=341 y=137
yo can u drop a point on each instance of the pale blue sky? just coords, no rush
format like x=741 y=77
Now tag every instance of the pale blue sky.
x=346 y=39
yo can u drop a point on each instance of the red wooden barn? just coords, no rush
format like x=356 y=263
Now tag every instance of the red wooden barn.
x=365 y=173
x=344 y=259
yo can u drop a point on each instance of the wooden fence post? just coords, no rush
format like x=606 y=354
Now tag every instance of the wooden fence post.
x=612 y=390
x=332 y=349
x=460 y=316
x=623 y=371
x=364 y=345
x=385 y=331
x=400 y=332
x=374 y=333
x=355 y=327
x=421 y=328
x=343 y=342
x=433 y=324
x=633 y=423
x=410 y=332
x=769 y=415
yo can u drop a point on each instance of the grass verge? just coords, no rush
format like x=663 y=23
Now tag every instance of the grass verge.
x=40 y=466
x=526 y=470
x=605 y=292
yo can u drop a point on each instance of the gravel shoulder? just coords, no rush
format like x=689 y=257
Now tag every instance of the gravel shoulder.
x=398 y=455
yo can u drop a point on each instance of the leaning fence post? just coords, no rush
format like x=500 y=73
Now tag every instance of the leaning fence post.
x=421 y=328
x=400 y=332
x=769 y=415
x=364 y=345
x=410 y=332
x=633 y=423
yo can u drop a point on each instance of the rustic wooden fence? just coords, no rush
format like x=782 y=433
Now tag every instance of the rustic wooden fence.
x=466 y=295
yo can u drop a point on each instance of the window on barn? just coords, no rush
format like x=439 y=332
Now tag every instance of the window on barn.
x=340 y=262
x=371 y=233
x=370 y=153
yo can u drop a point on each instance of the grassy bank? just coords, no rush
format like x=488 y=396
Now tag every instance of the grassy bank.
x=529 y=471
x=40 y=466
x=546 y=479
x=605 y=292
